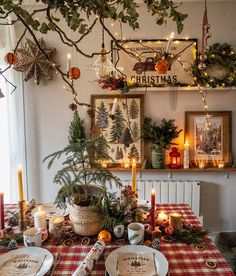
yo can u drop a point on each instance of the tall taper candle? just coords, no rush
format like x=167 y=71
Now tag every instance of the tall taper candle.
x=134 y=181
x=68 y=62
x=153 y=199
x=1 y=210
x=20 y=183
x=169 y=42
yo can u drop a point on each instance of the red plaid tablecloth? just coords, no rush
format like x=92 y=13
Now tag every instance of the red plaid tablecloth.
x=184 y=260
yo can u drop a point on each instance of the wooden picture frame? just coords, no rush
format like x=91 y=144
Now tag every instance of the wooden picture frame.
x=143 y=72
x=126 y=139
x=211 y=142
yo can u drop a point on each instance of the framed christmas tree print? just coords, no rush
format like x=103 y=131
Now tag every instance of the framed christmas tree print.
x=119 y=119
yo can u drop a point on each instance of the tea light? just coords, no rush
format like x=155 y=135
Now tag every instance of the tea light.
x=126 y=165
x=201 y=164
x=104 y=164
x=175 y=220
x=56 y=228
x=40 y=219
x=221 y=164
x=162 y=218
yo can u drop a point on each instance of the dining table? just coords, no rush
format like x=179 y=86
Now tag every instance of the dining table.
x=184 y=259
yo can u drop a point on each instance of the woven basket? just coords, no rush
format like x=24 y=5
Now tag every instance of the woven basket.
x=86 y=220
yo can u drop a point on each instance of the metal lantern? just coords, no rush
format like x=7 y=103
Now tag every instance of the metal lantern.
x=175 y=158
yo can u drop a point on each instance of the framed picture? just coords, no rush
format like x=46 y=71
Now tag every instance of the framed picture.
x=142 y=71
x=209 y=140
x=123 y=129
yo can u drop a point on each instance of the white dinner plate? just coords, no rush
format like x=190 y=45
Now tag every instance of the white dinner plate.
x=48 y=261
x=160 y=260
x=51 y=210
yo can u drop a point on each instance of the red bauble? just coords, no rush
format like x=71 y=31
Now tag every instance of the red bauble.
x=74 y=73
x=162 y=66
x=10 y=58
x=169 y=230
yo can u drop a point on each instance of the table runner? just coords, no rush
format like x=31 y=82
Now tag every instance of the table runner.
x=184 y=260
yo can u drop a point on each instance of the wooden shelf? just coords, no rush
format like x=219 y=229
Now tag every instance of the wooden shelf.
x=224 y=170
x=179 y=88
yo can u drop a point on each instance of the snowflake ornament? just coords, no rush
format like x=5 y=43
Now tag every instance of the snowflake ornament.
x=33 y=63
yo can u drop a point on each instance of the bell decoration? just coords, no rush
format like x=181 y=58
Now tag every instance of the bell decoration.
x=74 y=73
x=162 y=66
x=10 y=58
x=175 y=159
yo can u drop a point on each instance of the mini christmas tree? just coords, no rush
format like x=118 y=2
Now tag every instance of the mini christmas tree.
x=133 y=153
x=102 y=116
x=133 y=110
x=118 y=125
x=76 y=129
x=135 y=131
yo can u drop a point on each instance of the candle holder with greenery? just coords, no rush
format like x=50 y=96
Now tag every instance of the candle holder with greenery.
x=82 y=178
x=161 y=137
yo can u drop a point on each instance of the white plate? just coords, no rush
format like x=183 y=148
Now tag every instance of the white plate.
x=31 y=251
x=160 y=259
x=51 y=210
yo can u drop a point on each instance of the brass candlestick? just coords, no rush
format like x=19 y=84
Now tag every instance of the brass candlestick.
x=22 y=211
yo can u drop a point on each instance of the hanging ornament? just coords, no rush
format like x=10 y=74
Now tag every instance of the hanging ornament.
x=33 y=63
x=74 y=73
x=11 y=58
x=162 y=66
x=105 y=236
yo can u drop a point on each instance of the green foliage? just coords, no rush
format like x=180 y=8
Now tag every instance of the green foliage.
x=76 y=129
x=118 y=124
x=217 y=54
x=75 y=13
x=161 y=135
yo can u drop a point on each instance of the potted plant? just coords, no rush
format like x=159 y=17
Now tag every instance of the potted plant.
x=161 y=137
x=82 y=178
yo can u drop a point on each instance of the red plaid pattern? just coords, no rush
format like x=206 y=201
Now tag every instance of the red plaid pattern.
x=184 y=260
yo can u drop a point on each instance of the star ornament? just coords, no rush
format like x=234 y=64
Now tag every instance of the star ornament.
x=33 y=63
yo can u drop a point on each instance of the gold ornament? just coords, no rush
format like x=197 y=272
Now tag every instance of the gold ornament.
x=105 y=236
x=33 y=63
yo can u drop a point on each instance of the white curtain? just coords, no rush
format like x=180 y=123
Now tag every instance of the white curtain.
x=15 y=112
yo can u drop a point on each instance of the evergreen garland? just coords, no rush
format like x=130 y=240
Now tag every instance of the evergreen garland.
x=222 y=55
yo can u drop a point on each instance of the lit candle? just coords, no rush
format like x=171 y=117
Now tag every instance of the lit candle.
x=134 y=182
x=162 y=218
x=153 y=199
x=201 y=164
x=56 y=228
x=114 y=106
x=68 y=62
x=186 y=155
x=1 y=210
x=104 y=165
x=126 y=165
x=20 y=183
x=169 y=42
x=40 y=219
x=221 y=164
x=175 y=220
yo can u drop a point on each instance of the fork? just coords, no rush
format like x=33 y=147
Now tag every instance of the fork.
x=56 y=263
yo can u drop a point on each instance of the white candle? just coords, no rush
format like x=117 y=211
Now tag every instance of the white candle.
x=68 y=62
x=175 y=220
x=114 y=106
x=186 y=155
x=169 y=42
x=162 y=218
x=40 y=219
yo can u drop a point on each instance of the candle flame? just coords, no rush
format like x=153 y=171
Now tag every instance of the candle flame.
x=153 y=191
x=19 y=168
x=134 y=160
x=69 y=56
x=172 y=35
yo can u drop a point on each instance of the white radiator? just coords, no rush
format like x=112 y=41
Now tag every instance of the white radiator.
x=171 y=192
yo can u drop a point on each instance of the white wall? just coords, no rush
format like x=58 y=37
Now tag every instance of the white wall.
x=48 y=115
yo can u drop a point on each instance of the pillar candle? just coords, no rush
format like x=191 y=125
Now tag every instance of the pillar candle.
x=162 y=218
x=20 y=183
x=1 y=210
x=134 y=181
x=186 y=155
x=175 y=220
x=153 y=196
x=56 y=228
x=40 y=219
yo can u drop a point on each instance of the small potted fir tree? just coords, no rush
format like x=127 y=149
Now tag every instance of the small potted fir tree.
x=83 y=180
x=161 y=137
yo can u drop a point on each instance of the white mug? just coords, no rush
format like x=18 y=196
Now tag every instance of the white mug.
x=135 y=232
x=35 y=237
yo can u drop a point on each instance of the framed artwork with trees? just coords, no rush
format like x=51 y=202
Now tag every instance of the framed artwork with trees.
x=119 y=119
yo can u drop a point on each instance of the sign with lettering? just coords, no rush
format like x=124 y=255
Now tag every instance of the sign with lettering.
x=146 y=63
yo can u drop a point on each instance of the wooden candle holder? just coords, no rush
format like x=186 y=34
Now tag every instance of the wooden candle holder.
x=22 y=211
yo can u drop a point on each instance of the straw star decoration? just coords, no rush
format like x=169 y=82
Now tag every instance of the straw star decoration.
x=33 y=63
